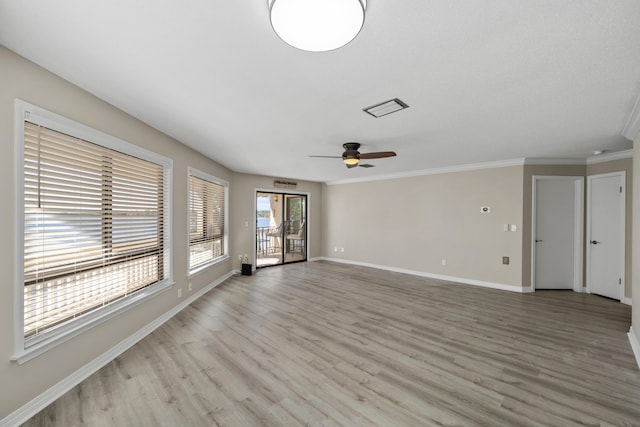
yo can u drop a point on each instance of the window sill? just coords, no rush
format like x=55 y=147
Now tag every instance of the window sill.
x=203 y=267
x=41 y=344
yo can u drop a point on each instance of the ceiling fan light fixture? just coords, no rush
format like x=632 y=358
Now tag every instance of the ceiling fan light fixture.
x=317 y=25
x=351 y=159
x=351 y=156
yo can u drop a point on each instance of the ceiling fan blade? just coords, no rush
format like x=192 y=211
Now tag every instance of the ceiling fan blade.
x=377 y=155
x=328 y=157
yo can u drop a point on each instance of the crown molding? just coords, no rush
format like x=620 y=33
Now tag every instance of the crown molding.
x=631 y=130
x=553 y=161
x=608 y=157
x=435 y=171
x=532 y=161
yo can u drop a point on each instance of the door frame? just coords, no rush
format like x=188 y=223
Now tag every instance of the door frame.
x=307 y=217
x=623 y=213
x=578 y=239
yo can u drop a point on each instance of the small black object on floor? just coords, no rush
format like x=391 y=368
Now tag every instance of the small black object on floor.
x=246 y=269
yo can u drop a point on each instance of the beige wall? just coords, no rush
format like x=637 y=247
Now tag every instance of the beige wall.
x=24 y=80
x=414 y=223
x=243 y=196
x=635 y=273
x=625 y=165
x=424 y=224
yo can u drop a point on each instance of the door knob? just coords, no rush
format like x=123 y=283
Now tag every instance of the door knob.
x=594 y=242
x=538 y=241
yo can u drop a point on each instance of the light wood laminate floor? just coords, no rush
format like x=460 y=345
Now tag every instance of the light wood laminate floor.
x=327 y=344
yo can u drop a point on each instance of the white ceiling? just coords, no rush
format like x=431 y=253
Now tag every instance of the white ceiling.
x=485 y=80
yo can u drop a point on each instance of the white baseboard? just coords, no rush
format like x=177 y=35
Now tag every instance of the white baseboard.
x=635 y=345
x=30 y=409
x=500 y=286
x=626 y=300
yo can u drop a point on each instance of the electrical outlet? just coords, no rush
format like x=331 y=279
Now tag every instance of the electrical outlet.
x=190 y=287
x=341 y=249
x=444 y=262
x=179 y=292
x=505 y=260
x=513 y=227
x=506 y=227
x=335 y=249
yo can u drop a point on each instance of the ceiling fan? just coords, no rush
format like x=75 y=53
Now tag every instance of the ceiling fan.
x=351 y=156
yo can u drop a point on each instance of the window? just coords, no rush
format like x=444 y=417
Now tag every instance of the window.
x=207 y=220
x=94 y=225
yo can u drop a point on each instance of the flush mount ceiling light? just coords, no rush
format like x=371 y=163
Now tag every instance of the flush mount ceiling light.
x=317 y=25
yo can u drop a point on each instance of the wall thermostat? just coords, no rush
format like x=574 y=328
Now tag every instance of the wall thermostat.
x=485 y=209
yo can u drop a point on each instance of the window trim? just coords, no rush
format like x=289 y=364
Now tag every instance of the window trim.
x=215 y=180
x=25 y=350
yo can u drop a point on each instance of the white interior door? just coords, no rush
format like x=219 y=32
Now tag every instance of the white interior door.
x=605 y=254
x=556 y=232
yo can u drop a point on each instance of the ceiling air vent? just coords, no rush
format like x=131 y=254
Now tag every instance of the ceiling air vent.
x=385 y=108
x=281 y=183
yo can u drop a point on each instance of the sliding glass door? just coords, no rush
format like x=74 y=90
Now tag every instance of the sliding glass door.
x=281 y=228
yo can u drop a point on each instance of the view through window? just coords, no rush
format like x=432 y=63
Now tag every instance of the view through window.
x=207 y=212
x=93 y=227
x=281 y=228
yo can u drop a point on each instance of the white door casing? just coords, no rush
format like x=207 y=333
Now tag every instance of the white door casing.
x=606 y=235
x=557 y=232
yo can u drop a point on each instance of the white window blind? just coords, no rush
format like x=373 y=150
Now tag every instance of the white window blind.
x=94 y=227
x=206 y=221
